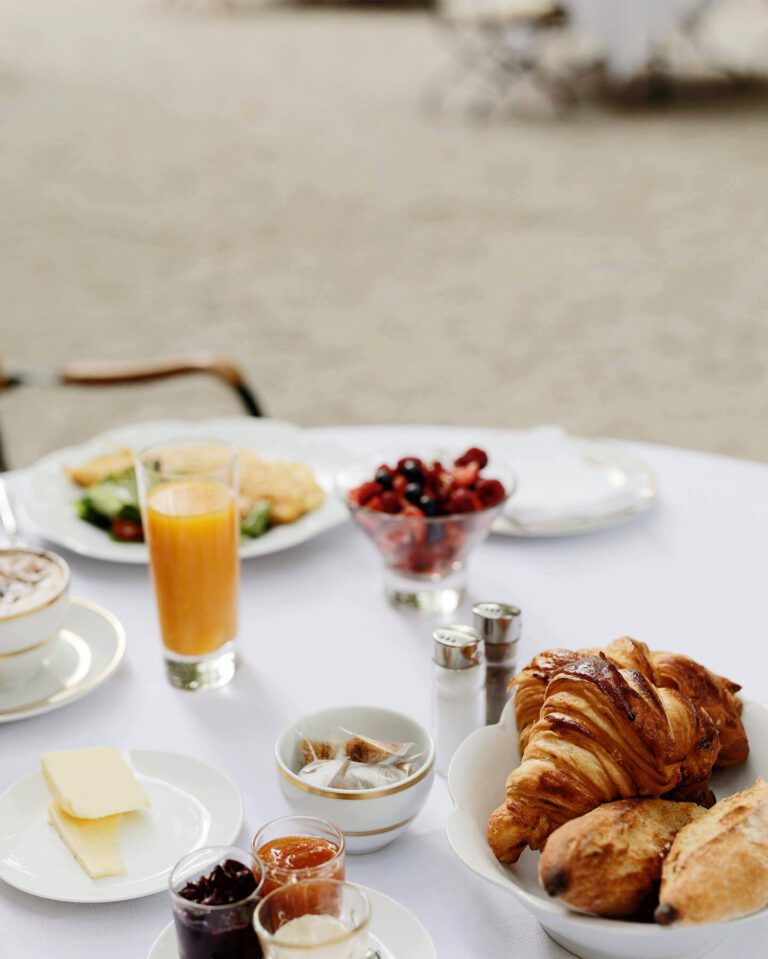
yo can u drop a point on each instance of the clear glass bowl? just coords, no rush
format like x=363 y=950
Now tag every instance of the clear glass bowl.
x=425 y=557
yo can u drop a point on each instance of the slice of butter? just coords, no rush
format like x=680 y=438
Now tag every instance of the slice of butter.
x=95 y=843
x=92 y=783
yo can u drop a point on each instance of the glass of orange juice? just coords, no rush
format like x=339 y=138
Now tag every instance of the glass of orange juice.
x=188 y=491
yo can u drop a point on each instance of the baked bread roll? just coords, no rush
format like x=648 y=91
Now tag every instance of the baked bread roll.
x=717 y=867
x=608 y=862
x=603 y=734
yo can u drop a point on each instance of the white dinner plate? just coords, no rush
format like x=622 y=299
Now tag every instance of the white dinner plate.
x=630 y=490
x=476 y=780
x=49 y=495
x=84 y=655
x=191 y=805
x=395 y=932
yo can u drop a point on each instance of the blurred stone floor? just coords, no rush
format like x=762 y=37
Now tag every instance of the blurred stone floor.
x=266 y=185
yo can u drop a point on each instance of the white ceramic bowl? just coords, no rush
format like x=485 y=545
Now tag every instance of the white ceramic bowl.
x=25 y=636
x=476 y=779
x=371 y=818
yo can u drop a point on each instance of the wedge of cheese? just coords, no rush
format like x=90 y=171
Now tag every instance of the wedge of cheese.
x=95 y=843
x=92 y=783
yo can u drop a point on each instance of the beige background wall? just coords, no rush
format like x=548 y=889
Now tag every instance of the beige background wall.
x=266 y=185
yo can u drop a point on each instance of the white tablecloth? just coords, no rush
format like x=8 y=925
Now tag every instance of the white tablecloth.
x=689 y=576
x=627 y=32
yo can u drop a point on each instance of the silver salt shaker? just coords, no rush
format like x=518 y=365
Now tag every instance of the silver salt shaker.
x=458 y=689
x=500 y=626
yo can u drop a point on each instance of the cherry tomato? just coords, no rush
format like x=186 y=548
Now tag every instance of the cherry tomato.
x=127 y=530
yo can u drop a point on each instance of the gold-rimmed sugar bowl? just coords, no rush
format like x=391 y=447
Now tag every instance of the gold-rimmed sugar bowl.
x=369 y=818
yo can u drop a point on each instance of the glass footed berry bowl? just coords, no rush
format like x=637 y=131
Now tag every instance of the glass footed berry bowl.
x=425 y=514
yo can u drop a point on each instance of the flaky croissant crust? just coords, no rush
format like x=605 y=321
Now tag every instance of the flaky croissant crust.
x=705 y=689
x=602 y=734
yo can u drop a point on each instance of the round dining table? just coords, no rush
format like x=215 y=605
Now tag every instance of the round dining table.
x=689 y=575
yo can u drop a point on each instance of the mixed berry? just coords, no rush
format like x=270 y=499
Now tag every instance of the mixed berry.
x=447 y=509
x=415 y=487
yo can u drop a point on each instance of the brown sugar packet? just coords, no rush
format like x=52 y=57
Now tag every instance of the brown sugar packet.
x=312 y=749
x=362 y=750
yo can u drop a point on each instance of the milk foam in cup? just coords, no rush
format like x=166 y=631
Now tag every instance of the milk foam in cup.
x=34 y=600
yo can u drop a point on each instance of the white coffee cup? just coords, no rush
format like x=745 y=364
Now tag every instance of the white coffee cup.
x=31 y=613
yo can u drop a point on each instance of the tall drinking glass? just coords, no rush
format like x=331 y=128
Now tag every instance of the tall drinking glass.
x=188 y=491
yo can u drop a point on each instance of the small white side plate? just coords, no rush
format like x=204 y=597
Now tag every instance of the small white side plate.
x=395 y=932
x=49 y=495
x=85 y=654
x=192 y=805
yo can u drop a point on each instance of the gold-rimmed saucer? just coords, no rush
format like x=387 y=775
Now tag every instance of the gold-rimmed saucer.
x=86 y=652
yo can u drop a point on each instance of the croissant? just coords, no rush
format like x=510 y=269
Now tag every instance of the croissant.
x=531 y=685
x=603 y=734
x=717 y=867
x=714 y=693
x=608 y=862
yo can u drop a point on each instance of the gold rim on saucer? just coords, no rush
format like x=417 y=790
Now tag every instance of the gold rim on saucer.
x=74 y=689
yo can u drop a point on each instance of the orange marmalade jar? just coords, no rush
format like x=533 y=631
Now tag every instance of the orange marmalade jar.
x=297 y=848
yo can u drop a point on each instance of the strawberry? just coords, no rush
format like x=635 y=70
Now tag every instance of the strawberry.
x=375 y=503
x=466 y=475
x=391 y=502
x=473 y=455
x=462 y=501
x=366 y=492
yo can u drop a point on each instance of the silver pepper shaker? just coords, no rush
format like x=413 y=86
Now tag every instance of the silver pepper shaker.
x=500 y=626
x=458 y=689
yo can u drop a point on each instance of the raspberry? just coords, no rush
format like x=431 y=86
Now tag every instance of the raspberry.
x=473 y=455
x=399 y=483
x=411 y=510
x=391 y=502
x=375 y=502
x=366 y=492
x=490 y=492
x=462 y=501
x=466 y=475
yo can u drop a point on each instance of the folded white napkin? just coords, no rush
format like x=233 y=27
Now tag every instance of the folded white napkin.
x=556 y=479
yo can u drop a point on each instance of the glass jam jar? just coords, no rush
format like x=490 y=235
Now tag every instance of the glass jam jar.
x=299 y=848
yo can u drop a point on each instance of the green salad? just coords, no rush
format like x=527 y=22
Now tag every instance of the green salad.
x=113 y=505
